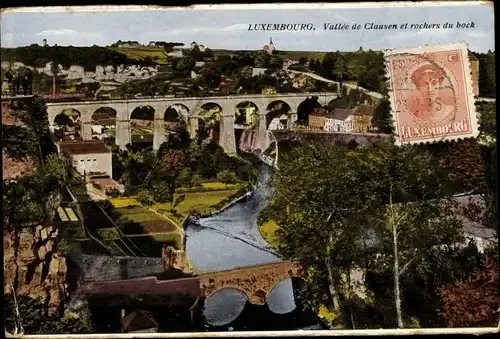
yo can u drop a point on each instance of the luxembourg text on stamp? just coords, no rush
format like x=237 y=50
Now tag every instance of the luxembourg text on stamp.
x=431 y=93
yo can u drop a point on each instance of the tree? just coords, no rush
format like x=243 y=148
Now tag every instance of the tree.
x=145 y=197
x=162 y=193
x=34 y=318
x=370 y=79
x=227 y=177
x=473 y=301
x=339 y=222
x=60 y=166
x=382 y=117
x=19 y=141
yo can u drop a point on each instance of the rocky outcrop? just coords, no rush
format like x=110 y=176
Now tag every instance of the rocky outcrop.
x=176 y=260
x=34 y=268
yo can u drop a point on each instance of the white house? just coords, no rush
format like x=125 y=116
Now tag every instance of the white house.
x=287 y=63
x=276 y=124
x=258 y=71
x=340 y=120
x=176 y=53
x=202 y=48
x=89 y=156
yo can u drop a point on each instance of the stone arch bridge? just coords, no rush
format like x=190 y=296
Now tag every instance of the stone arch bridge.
x=256 y=282
x=189 y=112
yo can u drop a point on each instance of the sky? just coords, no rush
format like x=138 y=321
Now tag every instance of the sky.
x=227 y=28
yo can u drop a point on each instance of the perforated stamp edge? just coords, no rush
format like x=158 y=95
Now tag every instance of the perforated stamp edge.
x=472 y=114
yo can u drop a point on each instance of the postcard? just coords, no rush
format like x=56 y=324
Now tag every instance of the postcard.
x=232 y=168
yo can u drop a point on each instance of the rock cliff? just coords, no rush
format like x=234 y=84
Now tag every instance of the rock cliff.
x=33 y=267
x=176 y=260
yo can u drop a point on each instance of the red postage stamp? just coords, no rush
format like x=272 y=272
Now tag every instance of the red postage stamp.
x=431 y=93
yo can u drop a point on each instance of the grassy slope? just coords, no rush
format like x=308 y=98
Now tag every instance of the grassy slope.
x=196 y=202
x=142 y=52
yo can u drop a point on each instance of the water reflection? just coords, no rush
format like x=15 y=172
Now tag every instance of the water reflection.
x=224 y=307
x=278 y=301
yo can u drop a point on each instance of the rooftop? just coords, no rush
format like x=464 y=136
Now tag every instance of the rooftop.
x=83 y=147
x=365 y=110
x=341 y=113
x=138 y=320
x=319 y=112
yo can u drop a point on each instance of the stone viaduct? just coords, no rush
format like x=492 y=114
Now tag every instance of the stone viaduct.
x=255 y=281
x=189 y=109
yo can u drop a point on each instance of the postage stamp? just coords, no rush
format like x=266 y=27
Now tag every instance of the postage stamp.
x=431 y=93
x=234 y=168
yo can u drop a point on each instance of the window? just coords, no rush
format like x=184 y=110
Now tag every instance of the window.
x=94 y=160
x=81 y=160
x=88 y=160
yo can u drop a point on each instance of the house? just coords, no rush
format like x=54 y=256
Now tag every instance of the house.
x=340 y=120
x=256 y=71
x=269 y=90
x=175 y=53
x=202 y=48
x=199 y=64
x=269 y=48
x=193 y=44
x=474 y=68
x=106 y=184
x=473 y=230
x=139 y=321
x=299 y=81
x=287 y=63
x=278 y=124
x=89 y=156
x=226 y=85
x=194 y=75
x=317 y=119
x=362 y=119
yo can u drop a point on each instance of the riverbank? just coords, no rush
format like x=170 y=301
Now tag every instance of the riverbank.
x=268 y=232
x=165 y=223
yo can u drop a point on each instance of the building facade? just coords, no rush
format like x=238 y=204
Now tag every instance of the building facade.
x=362 y=119
x=317 y=119
x=340 y=120
x=89 y=156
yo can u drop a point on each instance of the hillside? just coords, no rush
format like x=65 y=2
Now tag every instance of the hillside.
x=293 y=55
x=142 y=53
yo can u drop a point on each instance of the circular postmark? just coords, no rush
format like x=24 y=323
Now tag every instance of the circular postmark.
x=429 y=91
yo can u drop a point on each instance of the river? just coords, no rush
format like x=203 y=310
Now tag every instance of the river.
x=231 y=239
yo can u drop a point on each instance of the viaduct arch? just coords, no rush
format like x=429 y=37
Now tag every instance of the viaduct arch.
x=189 y=109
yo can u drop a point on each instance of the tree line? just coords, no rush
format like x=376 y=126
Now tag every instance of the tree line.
x=87 y=57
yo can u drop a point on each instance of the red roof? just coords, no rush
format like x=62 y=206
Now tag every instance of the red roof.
x=83 y=147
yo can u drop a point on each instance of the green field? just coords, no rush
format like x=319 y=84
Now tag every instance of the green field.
x=268 y=232
x=145 y=223
x=141 y=52
x=196 y=202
